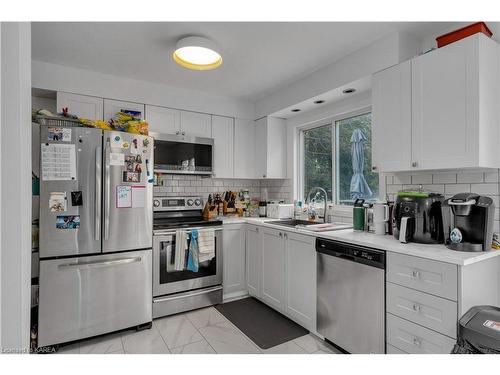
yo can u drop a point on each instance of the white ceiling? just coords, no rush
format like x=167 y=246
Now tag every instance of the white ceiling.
x=259 y=58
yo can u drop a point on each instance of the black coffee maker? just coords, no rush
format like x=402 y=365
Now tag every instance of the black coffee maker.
x=417 y=217
x=468 y=222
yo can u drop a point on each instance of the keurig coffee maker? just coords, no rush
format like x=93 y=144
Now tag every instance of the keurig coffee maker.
x=417 y=217
x=468 y=222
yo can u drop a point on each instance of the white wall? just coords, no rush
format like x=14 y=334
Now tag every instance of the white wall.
x=43 y=103
x=63 y=78
x=383 y=53
x=15 y=186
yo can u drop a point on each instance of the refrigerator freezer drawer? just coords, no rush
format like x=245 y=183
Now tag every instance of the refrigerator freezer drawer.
x=89 y=296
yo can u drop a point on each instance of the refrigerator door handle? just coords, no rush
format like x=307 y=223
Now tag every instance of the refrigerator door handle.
x=98 y=193
x=107 y=194
x=106 y=263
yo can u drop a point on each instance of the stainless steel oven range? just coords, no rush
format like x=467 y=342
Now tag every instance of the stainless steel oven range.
x=177 y=289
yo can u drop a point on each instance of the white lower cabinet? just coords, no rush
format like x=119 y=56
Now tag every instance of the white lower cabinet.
x=273 y=268
x=281 y=272
x=234 y=281
x=422 y=304
x=253 y=243
x=300 y=279
x=415 y=339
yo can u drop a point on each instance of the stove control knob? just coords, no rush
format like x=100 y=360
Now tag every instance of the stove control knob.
x=197 y=202
x=156 y=203
x=190 y=202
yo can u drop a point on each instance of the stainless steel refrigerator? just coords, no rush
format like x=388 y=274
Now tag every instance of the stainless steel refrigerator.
x=96 y=197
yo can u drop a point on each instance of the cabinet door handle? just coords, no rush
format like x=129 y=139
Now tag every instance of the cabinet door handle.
x=264 y=176
x=416 y=307
x=257 y=229
x=183 y=132
x=416 y=274
x=374 y=168
x=286 y=235
x=281 y=234
x=414 y=164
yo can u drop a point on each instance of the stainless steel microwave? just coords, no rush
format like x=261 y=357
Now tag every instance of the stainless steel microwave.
x=183 y=154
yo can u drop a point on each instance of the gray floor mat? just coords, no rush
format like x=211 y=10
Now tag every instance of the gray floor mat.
x=263 y=325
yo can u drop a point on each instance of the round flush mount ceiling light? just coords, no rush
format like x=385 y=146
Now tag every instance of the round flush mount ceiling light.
x=197 y=53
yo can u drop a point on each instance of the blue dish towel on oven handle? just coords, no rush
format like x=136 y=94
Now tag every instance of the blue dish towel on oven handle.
x=193 y=252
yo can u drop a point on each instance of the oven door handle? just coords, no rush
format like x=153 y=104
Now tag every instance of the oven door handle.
x=183 y=295
x=172 y=233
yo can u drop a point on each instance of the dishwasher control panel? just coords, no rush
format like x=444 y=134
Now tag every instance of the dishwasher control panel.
x=360 y=254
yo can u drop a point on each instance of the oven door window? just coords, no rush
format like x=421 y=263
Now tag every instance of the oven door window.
x=168 y=273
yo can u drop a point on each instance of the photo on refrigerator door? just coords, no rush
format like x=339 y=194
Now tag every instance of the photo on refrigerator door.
x=68 y=222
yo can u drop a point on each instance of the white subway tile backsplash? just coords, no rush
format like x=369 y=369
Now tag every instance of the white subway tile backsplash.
x=392 y=189
x=456 y=188
x=402 y=178
x=470 y=177
x=491 y=176
x=450 y=183
x=444 y=178
x=485 y=189
x=434 y=188
x=421 y=179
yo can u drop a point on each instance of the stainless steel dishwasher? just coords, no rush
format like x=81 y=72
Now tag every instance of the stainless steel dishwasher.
x=351 y=296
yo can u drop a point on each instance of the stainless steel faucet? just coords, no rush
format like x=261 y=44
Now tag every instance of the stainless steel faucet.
x=318 y=190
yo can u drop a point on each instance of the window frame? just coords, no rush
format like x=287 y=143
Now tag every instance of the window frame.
x=340 y=209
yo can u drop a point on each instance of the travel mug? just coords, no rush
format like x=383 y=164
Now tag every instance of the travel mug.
x=358 y=218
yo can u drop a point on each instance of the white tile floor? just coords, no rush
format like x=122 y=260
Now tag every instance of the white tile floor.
x=203 y=331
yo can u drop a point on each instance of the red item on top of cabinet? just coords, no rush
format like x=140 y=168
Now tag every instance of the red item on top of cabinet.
x=464 y=32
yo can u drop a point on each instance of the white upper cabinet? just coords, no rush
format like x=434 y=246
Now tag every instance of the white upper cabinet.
x=173 y=121
x=454 y=109
x=83 y=106
x=270 y=147
x=112 y=107
x=163 y=120
x=196 y=124
x=244 y=148
x=223 y=135
x=454 y=106
x=391 y=114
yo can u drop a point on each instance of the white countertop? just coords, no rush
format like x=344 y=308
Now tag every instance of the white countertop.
x=387 y=242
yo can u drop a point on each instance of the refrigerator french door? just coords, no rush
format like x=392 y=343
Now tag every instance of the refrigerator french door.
x=128 y=190
x=95 y=232
x=70 y=191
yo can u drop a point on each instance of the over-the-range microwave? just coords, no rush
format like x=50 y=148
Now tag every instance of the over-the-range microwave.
x=182 y=154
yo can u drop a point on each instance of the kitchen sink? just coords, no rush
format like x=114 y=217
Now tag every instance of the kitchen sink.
x=291 y=222
x=311 y=226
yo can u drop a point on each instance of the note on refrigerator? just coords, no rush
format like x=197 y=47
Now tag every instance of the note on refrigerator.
x=123 y=197
x=138 y=196
x=58 y=162
x=116 y=158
